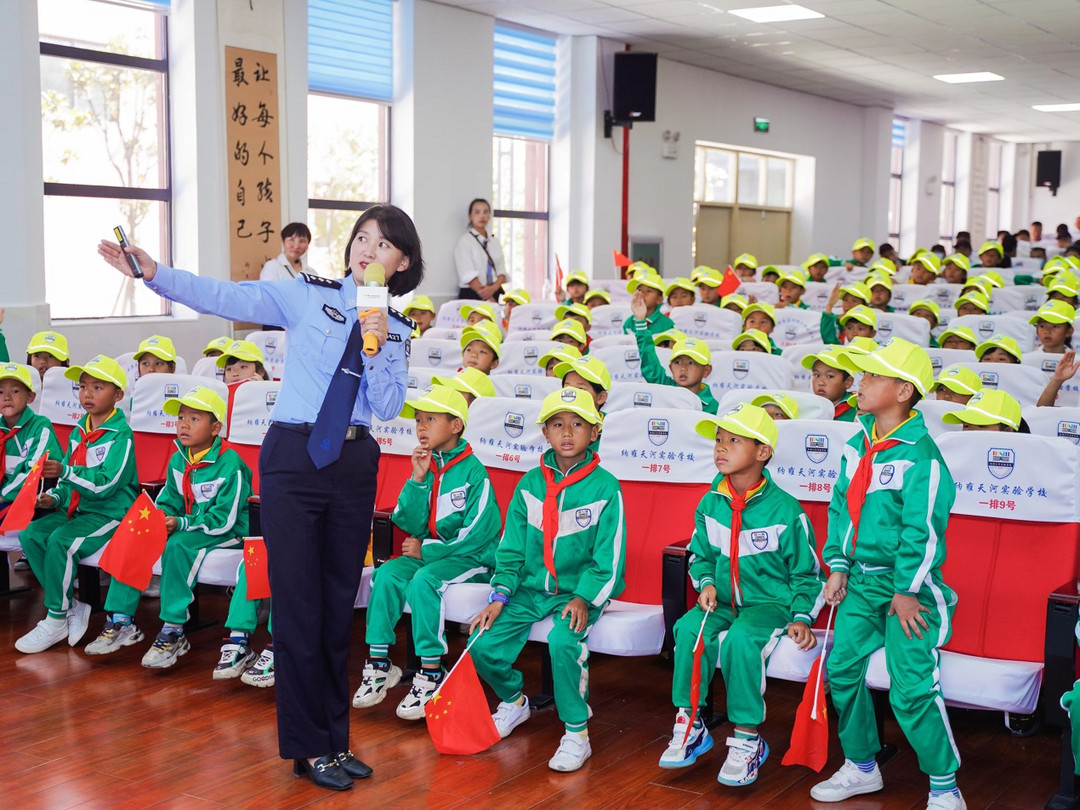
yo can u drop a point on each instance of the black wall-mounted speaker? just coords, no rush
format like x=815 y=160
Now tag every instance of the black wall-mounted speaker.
x=634 y=87
x=1048 y=169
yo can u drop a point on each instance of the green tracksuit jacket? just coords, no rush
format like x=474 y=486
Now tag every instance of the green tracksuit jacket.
x=655 y=324
x=107 y=485
x=830 y=328
x=655 y=373
x=35 y=436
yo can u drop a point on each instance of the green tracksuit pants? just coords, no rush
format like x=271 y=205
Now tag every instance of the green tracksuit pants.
x=751 y=637
x=495 y=652
x=180 y=563
x=863 y=626
x=53 y=546
x=422 y=585
x=243 y=612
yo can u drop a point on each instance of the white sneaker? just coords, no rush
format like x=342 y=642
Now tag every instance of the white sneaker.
x=153 y=590
x=78 y=619
x=235 y=659
x=847 y=782
x=374 y=684
x=167 y=647
x=423 y=687
x=744 y=758
x=573 y=750
x=261 y=673
x=680 y=754
x=509 y=716
x=43 y=636
x=113 y=637
x=947 y=801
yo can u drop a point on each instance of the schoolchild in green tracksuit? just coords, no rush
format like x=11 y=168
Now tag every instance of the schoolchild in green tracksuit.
x=1069 y=700
x=767 y=583
x=830 y=378
x=448 y=509
x=237 y=658
x=591 y=375
x=25 y=436
x=886 y=544
x=790 y=288
x=848 y=296
x=761 y=316
x=95 y=487
x=649 y=289
x=561 y=556
x=204 y=499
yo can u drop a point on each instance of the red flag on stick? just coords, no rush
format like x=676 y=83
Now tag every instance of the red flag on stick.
x=730 y=283
x=621 y=260
x=458 y=717
x=136 y=544
x=695 y=676
x=256 y=569
x=810 y=735
x=21 y=511
x=558 y=276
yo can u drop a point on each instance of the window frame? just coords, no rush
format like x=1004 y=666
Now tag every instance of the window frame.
x=949 y=156
x=766 y=158
x=519 y=214
x=993 y=192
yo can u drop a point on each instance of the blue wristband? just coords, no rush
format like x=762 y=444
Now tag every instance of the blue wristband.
x=498 y=596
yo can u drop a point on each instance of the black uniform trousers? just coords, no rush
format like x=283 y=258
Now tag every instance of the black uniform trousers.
x=317 y=524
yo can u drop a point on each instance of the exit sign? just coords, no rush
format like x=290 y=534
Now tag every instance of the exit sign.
x=761 y=125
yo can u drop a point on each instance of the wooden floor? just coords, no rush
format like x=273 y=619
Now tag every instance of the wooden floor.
x=77 y=731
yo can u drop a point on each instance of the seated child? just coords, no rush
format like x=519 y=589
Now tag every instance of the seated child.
x=205 y=503
x=972 y=303
x=47 y=350
x=470 y=383
x=243 y=360
x=792 y=284
x=761 y=316
x=816 y=266
x=830 y=378
x=563 y=354
x=156 y=355
x=880 y=292
x=862 y=251
x=479 y=311
x=591 y=375
x=597 y=298
x=770 y=274
x=956 y=384
x=570 y=332
x=958 y=337
x=778 y=405
x=745 y=266
x=930 y=312
x=1064 y=371
x=449 y=511
x=752 y=340
x=708 y=281
x=679 y=293
x=481 y=347
x=649 y=290
x=925 y=268
x=691 y=361
x=95 y=488
x=978 y=284
x=859 y=321
x=1065 y=288
x=998 y=349
x=989 y=409
x=237 y=658
x=1053 y=323
x=567 y=497
x=640 y=269
x=955 y=268
x=24 y=435
x=994 y=278
x=735 y=302
x=217 y=346
x=665 y=340
x=422 y=311
x=991 y=254
x=770 y=585
x=883 y=267
x=577 y=286
x=575 y=312
x=514 y=298
x=850 y=295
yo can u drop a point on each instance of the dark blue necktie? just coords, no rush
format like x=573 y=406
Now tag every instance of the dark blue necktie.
x=328 y=436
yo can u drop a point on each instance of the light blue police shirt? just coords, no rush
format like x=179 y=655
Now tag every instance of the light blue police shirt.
x=318 y=314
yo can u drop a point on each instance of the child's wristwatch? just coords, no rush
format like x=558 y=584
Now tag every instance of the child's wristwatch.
x=498 y=596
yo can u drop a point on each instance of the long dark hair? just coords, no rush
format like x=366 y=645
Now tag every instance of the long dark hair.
x=399 y=231
x=479 y=200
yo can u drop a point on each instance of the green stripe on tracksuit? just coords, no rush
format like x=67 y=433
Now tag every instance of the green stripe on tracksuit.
x=243 y=612
x=654 y=373
x=899 y=550
x=467 y=523
x=54 y=545
x=589 y=552
x=780 y=581
x=218 y=519
x=22 y=451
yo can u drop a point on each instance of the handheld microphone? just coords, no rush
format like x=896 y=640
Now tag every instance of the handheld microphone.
x=370 y=298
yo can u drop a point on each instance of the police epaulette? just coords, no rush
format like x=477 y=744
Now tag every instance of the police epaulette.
x=405 y=319
x=319 y=281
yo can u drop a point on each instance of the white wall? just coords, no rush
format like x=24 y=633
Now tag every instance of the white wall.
x=921 y=186
x=1065 y=207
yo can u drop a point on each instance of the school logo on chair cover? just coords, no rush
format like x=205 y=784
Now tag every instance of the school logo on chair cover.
x=943 y=296
x=642 y=399
x=989 y=379
x=935 y=364
x=659 y=430
x=886 y=474
x=457 y=498
x=513 y=424
x=523 y=391
x=817 y=447
x=271 y=397
x=790 y=333
x=532 y=352
x=616 y=320
x=75 y=388
x=583 y=517
x=412 y=383
x=1070 y=431
x=1031 y=302
x=740 y=368
x=986 y=328
x=631 y=358
x=700 y=319
x=1000 y=462
x=537 y=317
x=884 y=328
x=760 y=540
x=172 y=390
x=271 y=345
x=434 y=355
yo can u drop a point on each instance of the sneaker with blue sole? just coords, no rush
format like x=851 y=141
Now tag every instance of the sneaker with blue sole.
x=683 y=750
x=744 y=760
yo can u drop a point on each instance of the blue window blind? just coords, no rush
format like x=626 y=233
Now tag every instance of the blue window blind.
x=350 y=48
x=524 y=83
x=899 y=133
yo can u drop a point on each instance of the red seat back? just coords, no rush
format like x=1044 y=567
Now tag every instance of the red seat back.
x=152 y=454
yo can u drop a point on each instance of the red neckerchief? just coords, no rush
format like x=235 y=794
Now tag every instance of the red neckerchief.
x=738 y=503
x=437 y=473
x=860 y=481
x=841 y=407
x=550 y=520
x=189 y=493
x=4 y=439
x=78 y=459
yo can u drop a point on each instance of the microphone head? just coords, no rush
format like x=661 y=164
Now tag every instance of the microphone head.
x=374 y=275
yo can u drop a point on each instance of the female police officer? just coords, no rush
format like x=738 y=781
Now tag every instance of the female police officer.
x=317 y=476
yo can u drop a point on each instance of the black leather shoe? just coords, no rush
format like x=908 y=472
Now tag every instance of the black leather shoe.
x=353 y=767
x=326 y=772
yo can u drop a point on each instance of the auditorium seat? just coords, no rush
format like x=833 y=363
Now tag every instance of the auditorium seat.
x=640 y=394
x=707 y=322
x=523 y=385
x=436 y=353
x=535 y=315
x=749 y=370
x=273 y=344
x=520 y=356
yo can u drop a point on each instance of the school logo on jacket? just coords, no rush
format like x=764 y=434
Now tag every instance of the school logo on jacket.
x=740 y=368
x=817 y=447
x=583 y=517
x=1049 y=366
x=631 y=358
x=513 y=424
x=523 y=391
x=642 y=399
x=659 y=429
x=100 y=453
x=207 y=490
x=457 y=498
x=986 y=328
x=1070 y=431
x=884 y=328
x=760 y=540
x=886 y=474
x=1000 y=461
x=434 y=355
x=989 y=379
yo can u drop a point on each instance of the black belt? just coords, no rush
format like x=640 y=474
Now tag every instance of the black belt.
x=351 y=433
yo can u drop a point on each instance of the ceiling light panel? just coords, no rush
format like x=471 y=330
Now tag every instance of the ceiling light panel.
x=775 y=14
x=968 y=78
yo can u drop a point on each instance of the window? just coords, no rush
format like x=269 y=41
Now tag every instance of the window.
x=947 y=217
x=763 y=181
x=993 y=188
x=350 y=79
x=104 y=133
x=896 y=177
x=524 y=123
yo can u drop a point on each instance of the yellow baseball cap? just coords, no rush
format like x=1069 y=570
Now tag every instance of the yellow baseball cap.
x=797 y=277
x=18 y=372
x=862 y=314
x=927 y=304
x=863 y=242
x=486 y=332
x=879 y=280
x=218 y=344
x=928 y=260
x=703 y=274
x=102 y=368
x=518 y=296
x=419 y=303
x=572 y=328
x=1003 y=342
x=989 y=406
x=468 y=380
x=861 y=345
x=668 y=334
x=833 y=357
x=199 y=398
x=959 y=259
x=1054 y=312
x=986 y=247
x=640 y=268
x=696 y=350
x=440 y=399
x=887 y=266
x=759 y=306
x=756 y=335
x=769 y=268
x=745 y=259
x=580 y=310
x=158 y=346
x=782 y=401
x=592 y=369
x=973 y=297
x=482 y=307
x=51 y=342
x=899 y=359
x=995 y=278
x=814 y=258
x=573 y=400
x=744 y=419
x=645 y=280
x=602 y=294
x=241 y=350
x=577 y=276
x=857 y=289
x=978 y=284
x=1066 y=283
x=959 y=380
x=564 y=353
x=962 y=332
x=680 y=283
x=741 y=301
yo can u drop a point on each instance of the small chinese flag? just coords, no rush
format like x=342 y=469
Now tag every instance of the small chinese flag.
x=730 y=283
x=21 y=511
x=558 y=275
x=810 y=735
x=621 y=260
x=136 y=544
x=256 y=569
x=458 y=717
x=695 y=676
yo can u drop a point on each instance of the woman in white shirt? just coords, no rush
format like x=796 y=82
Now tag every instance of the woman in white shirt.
x=295 y=238
x=478 y=258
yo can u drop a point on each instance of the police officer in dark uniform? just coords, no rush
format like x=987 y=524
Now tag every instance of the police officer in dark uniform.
x=318 y=465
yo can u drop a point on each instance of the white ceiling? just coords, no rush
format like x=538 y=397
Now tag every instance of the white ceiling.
x=866 y=52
